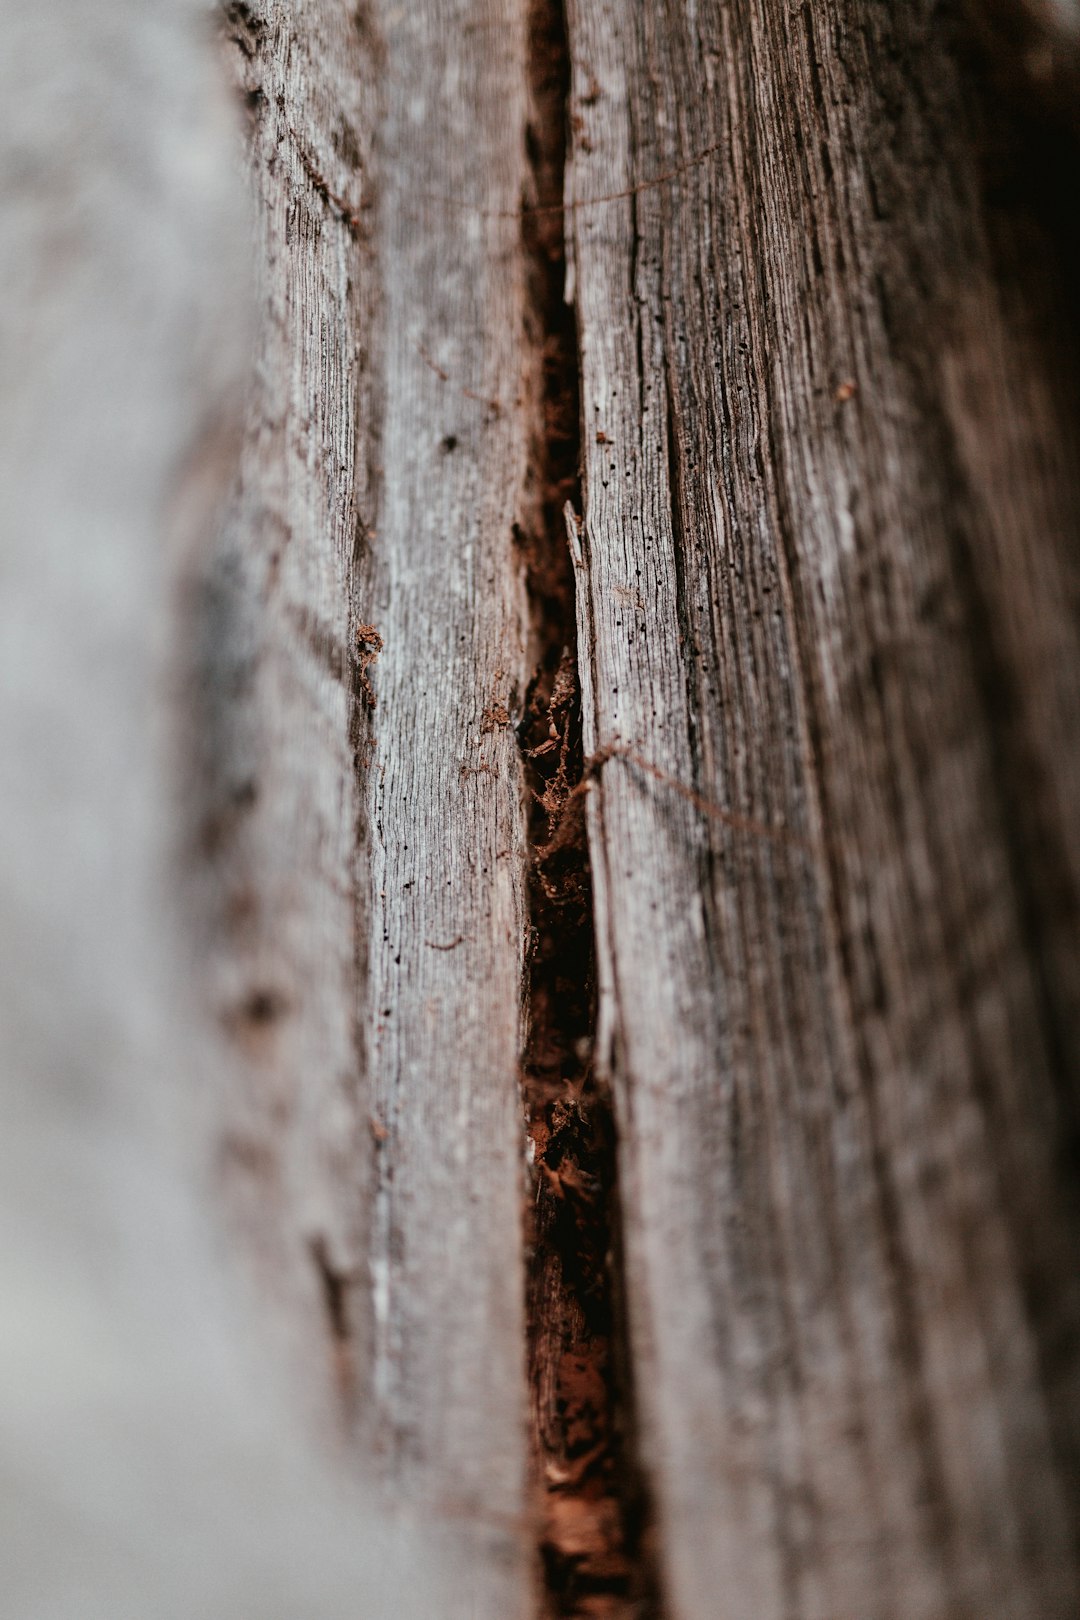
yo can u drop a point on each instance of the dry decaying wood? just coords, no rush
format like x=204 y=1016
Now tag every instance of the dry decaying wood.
x=365 y=634
x=780 y=1319
x=591 y=1521
x=828 y=579
x=446 y=836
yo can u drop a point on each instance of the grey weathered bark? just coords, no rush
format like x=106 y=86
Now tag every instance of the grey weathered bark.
x=365 y=629
x=789 y=1326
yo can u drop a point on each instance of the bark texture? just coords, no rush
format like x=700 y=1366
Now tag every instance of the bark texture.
x=828 y=584
x=791 y=1330
x=359 y=790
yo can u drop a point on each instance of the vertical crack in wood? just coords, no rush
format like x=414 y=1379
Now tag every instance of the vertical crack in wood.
x=592 y=1517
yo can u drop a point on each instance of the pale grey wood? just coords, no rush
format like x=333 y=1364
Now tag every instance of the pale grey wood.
x=828 y=585
x=446 y=835
x=358 y=843
x=152 y=1465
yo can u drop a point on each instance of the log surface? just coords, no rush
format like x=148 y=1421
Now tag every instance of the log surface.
x=828 y=589
x=358 y=829
x=825 y=645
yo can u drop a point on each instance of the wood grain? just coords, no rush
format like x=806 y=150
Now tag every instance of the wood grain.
x=828 y=579
x=274 y=804
x=828 y=656
x=360 y=841
x=446 y=835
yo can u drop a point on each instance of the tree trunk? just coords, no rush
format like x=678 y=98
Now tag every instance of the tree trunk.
x=625 y=740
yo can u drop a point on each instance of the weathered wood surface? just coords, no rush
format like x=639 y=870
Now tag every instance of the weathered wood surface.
x=828 y=667
x=151 y=1465
x=274 y=801
x=442 y=778
x=359 y=789
x=828 y=583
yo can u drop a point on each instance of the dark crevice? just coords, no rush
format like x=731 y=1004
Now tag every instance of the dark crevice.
x=592 y=1521
x=336 y=1285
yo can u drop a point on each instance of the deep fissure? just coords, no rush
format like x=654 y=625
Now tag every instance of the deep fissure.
x=591 y=1514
